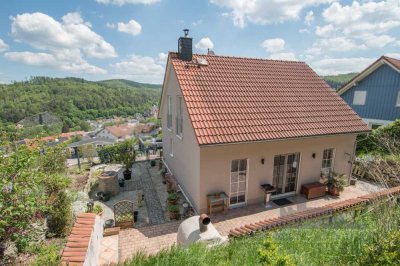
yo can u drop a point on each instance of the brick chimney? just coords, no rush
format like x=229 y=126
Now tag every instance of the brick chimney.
x=185 y=50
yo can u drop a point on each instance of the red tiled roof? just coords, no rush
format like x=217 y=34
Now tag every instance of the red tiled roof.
x=393 y=61
x=120 y=130
x=243 y=99
x=78 y=242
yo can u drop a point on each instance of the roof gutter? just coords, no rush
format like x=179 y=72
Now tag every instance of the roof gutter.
x=272 y=140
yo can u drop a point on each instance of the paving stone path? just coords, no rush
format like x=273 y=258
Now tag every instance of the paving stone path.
x=154 y=208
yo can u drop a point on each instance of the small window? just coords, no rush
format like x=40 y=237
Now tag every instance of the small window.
x=169 y=113
x=171 y=145
x=179 y=119
x=398 y=99
x=327 y=163
x=359 y=97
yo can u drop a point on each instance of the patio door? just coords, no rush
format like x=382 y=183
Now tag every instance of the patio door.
x=286 y=171
x=237 y=195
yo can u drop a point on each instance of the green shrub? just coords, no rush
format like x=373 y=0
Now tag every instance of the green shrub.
x=97 y=209
x=48 y=255
x=385 y=251
x=172 y=196
x=173 y=208
x=271 y=255
x=59 y=213
x=152 y=163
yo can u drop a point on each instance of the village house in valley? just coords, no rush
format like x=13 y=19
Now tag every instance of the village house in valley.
x=375 y=93
x=231 y=124
x=116 y=133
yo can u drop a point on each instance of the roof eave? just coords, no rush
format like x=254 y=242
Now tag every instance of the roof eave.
x=283 y=139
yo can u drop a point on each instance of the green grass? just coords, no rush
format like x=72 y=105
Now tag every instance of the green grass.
x=317 y=242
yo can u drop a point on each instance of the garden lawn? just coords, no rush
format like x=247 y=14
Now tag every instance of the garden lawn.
x=317 y=242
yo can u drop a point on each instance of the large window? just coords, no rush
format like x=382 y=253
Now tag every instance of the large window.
x=179 y=119
x=169 y=112
x=398 y=99
x=238 y=182
x=359 y=97
x=327 y=163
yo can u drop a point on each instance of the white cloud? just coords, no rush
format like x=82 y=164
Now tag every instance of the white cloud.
x=393 y=55
x=324 y=31
x=110 y=25
x=64 y=44
x=43 y=32
x=334 y=66
x=356 y=18
x=309 y=18
x=58 y=61
x=283 y=56
x=162 y=57
x=3 y=46
x=304 y=31
x=204 y=44
x=338 y=44
x=123 y=2
x=132 y=27
x=139 y=68
x=374 y=41
x=265 y=12
x=274 y=45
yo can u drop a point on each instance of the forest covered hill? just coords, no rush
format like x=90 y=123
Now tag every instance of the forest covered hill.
x=74 y=100
x=337 y=81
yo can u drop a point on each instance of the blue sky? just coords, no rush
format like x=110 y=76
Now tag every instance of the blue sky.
x=102 y=39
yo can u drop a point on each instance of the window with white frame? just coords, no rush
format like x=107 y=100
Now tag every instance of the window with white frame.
x=359 y=97
x=169 y=112
x=398 y=99
x=179 y=119
x=171 y=146
x=327 y=163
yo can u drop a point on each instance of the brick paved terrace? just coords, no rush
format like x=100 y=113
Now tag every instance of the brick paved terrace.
x=152 y=239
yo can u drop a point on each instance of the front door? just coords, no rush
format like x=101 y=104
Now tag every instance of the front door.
x=286 y=170
x=237 y=194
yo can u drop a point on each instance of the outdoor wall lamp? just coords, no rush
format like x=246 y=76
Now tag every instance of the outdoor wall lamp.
x=313 y=155
x=262 y=160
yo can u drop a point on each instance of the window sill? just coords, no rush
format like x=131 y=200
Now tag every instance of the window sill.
x=179 y=137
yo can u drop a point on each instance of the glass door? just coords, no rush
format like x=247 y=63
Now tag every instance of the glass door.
x=237 y=194
x=286 y=173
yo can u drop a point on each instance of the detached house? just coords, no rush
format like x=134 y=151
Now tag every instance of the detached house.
x=375 y=93
x=231 y=124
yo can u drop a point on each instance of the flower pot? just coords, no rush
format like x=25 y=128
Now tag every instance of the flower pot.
x=121 y=182
x=172 y=202
x=127 y=175
x=173 y=215
x=135 y=216
x=333 y=191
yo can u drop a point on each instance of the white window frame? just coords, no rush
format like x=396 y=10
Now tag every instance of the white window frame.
x=169 y=112
x=246 y=173
x=398 y=99
x=171 y=146
x=179 y=116
x=360 y=97
x=324 y=168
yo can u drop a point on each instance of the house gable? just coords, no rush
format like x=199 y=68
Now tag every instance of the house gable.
x=381 y=88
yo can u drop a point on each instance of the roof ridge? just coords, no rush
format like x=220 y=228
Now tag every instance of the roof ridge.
x=246 y=58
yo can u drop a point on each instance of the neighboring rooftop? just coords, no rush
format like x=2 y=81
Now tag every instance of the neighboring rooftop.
x=236 y=99
x=121 y=130
x=392 y=62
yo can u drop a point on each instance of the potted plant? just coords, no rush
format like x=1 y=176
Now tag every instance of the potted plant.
x=128 y=158
x=173 y=211
x=337 y=184
x=172 y=198
x=98 y=209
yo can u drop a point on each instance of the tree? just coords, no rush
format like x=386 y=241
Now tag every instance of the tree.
x=89 y=152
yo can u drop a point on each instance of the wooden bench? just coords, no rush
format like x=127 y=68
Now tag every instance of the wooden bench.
x=313 y=190
x=217 y=201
